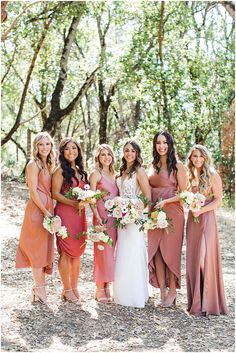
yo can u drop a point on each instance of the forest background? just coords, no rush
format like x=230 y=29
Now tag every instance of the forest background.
x=107 y=71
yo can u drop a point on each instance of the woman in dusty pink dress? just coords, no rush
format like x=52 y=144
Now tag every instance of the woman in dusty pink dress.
x=70 y=173
x=36 y=249
x=103 y=178
x=167 y=176
x=205 y=288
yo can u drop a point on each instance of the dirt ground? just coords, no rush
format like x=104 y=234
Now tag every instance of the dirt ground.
x=95 y=327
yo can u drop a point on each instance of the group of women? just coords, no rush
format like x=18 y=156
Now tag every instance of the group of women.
x=125 y=265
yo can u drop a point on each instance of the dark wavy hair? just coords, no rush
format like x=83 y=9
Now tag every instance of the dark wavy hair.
x=68 y=172
x=171 y=153
x=138 y=160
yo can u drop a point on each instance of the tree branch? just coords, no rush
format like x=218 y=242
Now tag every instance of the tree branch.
x=56 y=96
x=229 y=7
x=24 y=93
x=5 y=34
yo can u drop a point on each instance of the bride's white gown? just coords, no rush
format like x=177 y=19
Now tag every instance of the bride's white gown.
x=130 y=287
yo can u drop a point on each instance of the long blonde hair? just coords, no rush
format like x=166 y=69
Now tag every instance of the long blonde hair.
x=98 y=164
x=207 y=171
x=35 y=152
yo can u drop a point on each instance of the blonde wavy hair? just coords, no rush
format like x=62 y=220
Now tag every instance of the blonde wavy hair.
x=98 y=164
x=207 y=171
x=35 y=152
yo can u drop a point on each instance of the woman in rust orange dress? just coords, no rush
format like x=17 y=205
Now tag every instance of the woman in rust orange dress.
x=70 y=173
x=36 y=249
x=167 y=176
x=205 y=287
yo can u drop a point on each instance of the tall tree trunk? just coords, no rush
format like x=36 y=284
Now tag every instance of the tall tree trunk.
x=57 y=114
x=165 y=110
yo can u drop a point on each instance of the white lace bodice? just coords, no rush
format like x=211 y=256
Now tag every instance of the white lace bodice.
x=128 y=187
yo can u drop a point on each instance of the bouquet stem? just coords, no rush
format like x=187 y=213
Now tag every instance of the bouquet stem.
x=195 y=219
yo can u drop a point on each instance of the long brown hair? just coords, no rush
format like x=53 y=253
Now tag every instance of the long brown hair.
x=138 y=160
x=68 y=172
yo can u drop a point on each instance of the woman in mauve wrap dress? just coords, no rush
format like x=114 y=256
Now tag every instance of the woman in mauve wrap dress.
x=167 y=177
x=69 y=174
x=36 y=244
x=205 y=287
x=103 y=178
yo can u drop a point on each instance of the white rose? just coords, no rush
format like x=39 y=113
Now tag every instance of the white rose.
x=124 y=202
x=89 y=193
x=118 y=201
x=162 y=224
x=109 y=204
x=161 y=216
x=117 y=213
x=127 y=219
x=103 y=237
x=62 y=232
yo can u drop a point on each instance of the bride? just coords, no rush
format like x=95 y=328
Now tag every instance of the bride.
x=131 y=282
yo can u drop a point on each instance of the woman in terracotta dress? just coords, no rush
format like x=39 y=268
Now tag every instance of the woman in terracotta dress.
x=103 y=178
x=167 y=177
x=36 y=249
x=69 y=174
x=205 y=288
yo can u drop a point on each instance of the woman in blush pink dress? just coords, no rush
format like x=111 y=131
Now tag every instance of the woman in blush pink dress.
x=36 y=249
x=103 y=178
x=70 y=173
x=205 y=288
x=167 y=176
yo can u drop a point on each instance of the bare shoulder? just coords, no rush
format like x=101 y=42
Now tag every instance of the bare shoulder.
x=95 y=175
x=141 y=172
x=215 y=178
x=57 y=172
x=32 y=166
x=181 y=167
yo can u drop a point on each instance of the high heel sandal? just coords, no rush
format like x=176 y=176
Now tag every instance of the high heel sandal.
x=66 y=299
x=103 y=298
x=170 y=300
x=108 y=294
x=35 y=297
x=163 y=295
x=76 y=293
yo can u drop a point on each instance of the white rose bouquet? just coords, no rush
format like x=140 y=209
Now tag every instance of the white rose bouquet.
x=53 y=225
x=155 y=219
x=192 y=202
x=124 y=210
x=97 y=234
x=86 y=195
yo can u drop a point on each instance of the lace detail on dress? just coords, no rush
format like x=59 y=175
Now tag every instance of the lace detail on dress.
x=128 y=187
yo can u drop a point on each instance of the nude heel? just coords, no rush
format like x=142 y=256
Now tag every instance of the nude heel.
x=35 y=297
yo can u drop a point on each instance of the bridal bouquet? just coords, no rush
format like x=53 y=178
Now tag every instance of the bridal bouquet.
x=192 y=201
x=124 y=210
x=154 y=219
x=97 y=234
x=85 y=194
x=53 y=225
